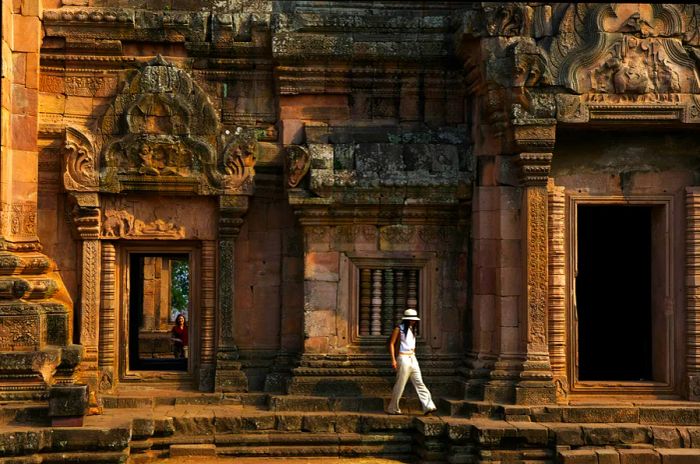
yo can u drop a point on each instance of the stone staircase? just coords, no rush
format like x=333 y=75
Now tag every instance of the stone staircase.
x=140 y=427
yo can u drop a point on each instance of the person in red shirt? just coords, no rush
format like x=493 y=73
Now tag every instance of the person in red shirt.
x=179 y=336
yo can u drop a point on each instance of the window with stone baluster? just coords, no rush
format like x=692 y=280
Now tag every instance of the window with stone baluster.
x=382 y=288
x=385 y=293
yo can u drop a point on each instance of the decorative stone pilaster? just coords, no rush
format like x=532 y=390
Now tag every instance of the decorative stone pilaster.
x=692 y=270
x=87 y=222
x=536 y=384
x=522 y=373
x=229 y=376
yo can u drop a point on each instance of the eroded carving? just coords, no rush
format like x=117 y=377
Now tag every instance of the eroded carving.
x=622 y=48
x=298 y=162
x=397 y=233
x=507 y=19
x=19 y=333
x=122 y=224
x=22 y=217
x=80 y=169
x=163 y=134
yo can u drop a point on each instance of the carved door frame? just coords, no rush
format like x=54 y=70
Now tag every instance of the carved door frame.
x=125 y=249
x=670 y=308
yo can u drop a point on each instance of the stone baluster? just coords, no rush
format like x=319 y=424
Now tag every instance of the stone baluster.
x=388 y=303
x=365 y=300
x=376 y=308
x=400 y=295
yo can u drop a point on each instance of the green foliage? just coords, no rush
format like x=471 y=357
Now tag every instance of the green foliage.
x=179 y=289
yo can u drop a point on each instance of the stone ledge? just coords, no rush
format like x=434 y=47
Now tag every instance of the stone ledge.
x=192 y=450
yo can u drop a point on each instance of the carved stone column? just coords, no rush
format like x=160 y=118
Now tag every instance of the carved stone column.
x=87 y=220
x=693 y=292
x=208 y=313
x=229 y=376
x=557 y=289
x=536 y=384
x=107 y=317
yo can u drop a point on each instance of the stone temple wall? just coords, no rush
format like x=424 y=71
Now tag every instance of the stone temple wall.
x=326 y=164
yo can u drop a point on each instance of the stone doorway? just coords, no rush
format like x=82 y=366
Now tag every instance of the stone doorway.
x=159 y=293
x=613 y=292
x=621 y=270
x=159 y=283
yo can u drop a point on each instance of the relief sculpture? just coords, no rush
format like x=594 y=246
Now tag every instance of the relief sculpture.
x=122 y=224
x=636 y=66
x=163 y=134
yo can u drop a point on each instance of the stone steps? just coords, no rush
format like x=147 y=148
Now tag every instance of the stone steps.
x=304 y=444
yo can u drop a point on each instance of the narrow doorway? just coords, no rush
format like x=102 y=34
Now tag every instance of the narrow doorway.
x=159 y=312
x=614 y=293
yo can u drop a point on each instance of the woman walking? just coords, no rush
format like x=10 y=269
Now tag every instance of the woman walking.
x=407 y=364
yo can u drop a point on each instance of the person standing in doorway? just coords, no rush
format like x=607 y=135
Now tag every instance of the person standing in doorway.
x=179 y=337
x=406 y=365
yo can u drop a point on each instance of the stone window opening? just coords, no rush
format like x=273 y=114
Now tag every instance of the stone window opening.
x=409 y=279
x=385 y=293
x=622 y=309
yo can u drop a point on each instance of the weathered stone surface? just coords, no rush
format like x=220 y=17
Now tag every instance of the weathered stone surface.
x=578 y=457
x=192 y=450
x=679 y=456
x=202 y=425
x=69 y=400
x=666 y=437
x=566 y=434
x=639 y=456
x=318 y=423
x=87 y=438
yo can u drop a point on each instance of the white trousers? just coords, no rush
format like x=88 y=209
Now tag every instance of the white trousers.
x=408 y=368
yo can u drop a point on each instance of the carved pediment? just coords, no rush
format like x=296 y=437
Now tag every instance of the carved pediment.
x=623 y=49
x=161 y=133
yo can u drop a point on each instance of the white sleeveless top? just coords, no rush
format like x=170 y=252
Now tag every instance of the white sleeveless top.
x=408 y=341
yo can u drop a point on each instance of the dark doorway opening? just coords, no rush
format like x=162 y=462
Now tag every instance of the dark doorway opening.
x=614 y=292
x=159 y=296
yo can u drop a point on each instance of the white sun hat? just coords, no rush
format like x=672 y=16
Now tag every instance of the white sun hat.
x=410 y=315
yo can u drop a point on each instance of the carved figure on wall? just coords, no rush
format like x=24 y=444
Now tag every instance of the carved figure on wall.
x=635 y=66
x=117 y=224
x=122 y=224
x=623 y=49
x=298 y=162
x=238 y=159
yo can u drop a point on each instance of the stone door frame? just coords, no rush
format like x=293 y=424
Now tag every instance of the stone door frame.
x=670 y=307
x=125 y=250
